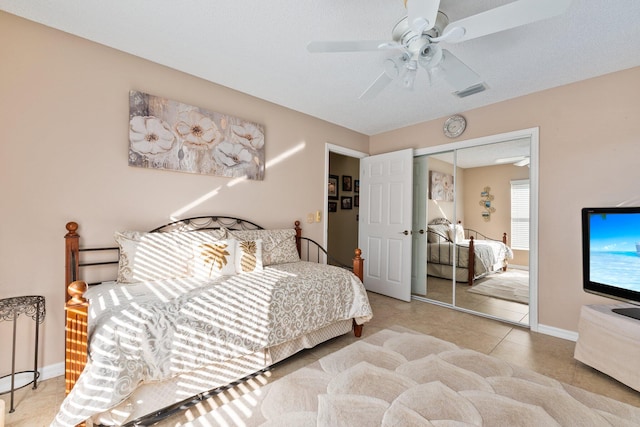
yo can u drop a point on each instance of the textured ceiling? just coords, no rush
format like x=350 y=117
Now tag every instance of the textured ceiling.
x=259 y=48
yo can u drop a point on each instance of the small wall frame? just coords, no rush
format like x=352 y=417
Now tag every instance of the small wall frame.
x=485 y=201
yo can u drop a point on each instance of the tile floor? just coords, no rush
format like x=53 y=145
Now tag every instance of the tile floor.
x=441 y=290
x=545 y=354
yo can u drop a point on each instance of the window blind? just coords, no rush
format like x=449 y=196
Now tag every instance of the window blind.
x=520 y=214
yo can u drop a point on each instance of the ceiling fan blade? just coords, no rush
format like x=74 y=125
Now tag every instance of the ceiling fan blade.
x=502 y=18
x=376 y=87
x=456 y=73
x=422 y=14
x=348 y=46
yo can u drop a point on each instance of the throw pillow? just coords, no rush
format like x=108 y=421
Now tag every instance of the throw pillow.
x=456 y=233
x=214 y=259
x=249 y=256
x=278 y=246
x=157 y=256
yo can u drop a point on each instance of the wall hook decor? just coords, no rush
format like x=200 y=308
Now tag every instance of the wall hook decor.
x=485 y=201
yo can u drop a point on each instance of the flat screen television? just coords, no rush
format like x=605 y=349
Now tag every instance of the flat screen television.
x=611 y=255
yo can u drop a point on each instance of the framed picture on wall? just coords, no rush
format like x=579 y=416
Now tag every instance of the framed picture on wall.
x=332 y=187
x=440 y=186
x=356 y=186
x=333 y=206
x=347 y=183
x=356 y=201
x=346 y=202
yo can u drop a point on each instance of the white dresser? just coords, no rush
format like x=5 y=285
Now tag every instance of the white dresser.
x=610 y=343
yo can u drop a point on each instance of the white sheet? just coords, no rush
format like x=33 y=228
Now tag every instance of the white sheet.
x=488 y=252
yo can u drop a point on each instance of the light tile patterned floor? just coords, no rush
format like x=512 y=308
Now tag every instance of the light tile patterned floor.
x=545 y=354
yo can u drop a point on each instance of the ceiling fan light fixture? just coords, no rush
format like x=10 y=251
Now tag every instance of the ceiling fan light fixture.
x=471 y=90
x=393 y=67
x=409 y=78
x=430 y=57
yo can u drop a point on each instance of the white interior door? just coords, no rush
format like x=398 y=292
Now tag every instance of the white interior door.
x=385 y=222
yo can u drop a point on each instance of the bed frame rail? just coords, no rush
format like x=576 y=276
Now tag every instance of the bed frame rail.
x=310 y=250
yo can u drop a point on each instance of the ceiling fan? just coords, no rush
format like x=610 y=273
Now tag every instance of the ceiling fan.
x=418 y=36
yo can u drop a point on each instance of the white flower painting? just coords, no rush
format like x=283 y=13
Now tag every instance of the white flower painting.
x=441 y=186
x=165 y=134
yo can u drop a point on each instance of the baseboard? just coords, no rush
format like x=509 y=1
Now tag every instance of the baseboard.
x=51 y=371
x=557 y=332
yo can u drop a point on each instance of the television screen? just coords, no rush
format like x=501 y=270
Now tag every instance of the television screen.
x=611 y=254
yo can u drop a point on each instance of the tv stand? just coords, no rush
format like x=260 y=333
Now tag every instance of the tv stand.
x=633 y=312
x=609 y=341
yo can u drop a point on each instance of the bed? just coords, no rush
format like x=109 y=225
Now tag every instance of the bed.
x=198 y=304
x=475 y=254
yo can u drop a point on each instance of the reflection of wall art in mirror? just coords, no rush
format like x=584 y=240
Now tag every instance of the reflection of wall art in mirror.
x=333 y=206
x=169 y=135
x=347 y=183
x=440 y=186
x=485 y=201
x=333 y=187
x=346 y=202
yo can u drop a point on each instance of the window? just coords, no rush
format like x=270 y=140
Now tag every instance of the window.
x=520 y=214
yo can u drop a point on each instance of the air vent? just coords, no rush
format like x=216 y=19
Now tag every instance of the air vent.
x=471 y=90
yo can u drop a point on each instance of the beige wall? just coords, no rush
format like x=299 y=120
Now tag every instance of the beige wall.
x=499 y=179
x=64 y=146
x=589 y=151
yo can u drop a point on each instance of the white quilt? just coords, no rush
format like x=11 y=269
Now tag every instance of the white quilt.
x=488 y=253
x=151 y=331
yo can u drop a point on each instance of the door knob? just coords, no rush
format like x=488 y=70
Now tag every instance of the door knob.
x=405 y=232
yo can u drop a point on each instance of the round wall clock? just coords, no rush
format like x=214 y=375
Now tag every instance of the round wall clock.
x=454 y=126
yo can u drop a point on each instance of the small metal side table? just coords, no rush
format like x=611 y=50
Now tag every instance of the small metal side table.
x=34 y=307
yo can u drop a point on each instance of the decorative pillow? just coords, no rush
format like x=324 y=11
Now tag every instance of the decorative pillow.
x=156 y=256
x=437 y=233
x=249 y=256
x=214 y=259
x=456 y=232
x=278 y=246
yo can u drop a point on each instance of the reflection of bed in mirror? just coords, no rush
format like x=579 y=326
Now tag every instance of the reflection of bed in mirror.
x=475 y=254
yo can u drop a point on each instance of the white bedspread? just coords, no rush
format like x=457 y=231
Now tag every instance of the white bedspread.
x=488 y=253
x=151 y=331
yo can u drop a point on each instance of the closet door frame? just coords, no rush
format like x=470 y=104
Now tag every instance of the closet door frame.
x=533 y=135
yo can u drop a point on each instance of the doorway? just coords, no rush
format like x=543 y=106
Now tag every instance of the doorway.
x=342 y=203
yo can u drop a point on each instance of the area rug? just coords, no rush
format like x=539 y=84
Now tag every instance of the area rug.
x=511 y=285
x=398 y=377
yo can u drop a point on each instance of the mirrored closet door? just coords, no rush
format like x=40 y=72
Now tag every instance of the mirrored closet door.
x=467 y=203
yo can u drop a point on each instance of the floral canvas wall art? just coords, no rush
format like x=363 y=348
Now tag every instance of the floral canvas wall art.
x=441 y=186
x=165 y=134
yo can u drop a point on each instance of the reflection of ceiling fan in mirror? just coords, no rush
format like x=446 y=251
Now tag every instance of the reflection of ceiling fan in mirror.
x=417 y=37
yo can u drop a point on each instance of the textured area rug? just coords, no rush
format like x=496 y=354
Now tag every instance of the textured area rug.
x=398 y=377
x=511 y=285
